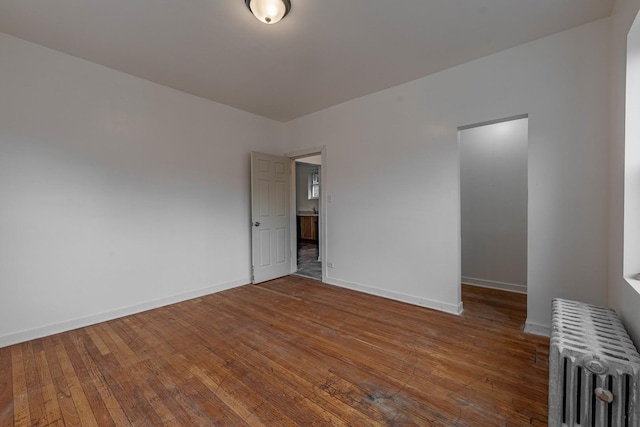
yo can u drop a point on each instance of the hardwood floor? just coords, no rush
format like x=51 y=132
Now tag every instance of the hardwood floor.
x=290 y=352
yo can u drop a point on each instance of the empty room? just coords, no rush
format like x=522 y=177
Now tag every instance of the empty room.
x=162 y=263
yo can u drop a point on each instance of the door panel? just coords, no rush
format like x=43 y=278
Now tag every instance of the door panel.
x=270 y=176
x=263 y=196
x=265 y=248
x=281 y=245
x=281 y=198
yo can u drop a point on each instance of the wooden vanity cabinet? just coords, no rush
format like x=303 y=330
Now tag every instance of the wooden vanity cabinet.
x=308 y=228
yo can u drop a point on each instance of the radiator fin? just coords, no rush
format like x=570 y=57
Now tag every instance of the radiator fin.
x=593 y=368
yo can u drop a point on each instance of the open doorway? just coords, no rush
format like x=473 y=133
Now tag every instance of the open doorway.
x=308 y=184
x=494 y=203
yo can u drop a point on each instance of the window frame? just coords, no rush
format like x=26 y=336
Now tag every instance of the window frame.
x=313 y=184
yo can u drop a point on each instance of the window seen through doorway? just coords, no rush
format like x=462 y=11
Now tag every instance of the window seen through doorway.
x=314 y=185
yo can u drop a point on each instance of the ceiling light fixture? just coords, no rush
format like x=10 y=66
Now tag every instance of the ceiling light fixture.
x=269 y=11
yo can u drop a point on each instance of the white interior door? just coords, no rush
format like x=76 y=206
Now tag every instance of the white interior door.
x=270 y=176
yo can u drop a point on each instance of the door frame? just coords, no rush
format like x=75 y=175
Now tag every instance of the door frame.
x=322 y=203
x=459 y=162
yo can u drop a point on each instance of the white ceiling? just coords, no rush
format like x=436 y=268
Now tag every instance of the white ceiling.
x=323 y=53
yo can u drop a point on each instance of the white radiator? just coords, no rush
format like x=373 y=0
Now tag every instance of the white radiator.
x=593 y=368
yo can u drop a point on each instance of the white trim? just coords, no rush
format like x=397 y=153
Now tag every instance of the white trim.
x=493 y=122
x=634 y=283
x=81 y=322
x=491 y=284
x=322 y=206
x=537 y=329
x=422 y=302
x=306 y=152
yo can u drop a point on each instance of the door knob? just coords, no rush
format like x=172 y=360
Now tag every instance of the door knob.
x=257 y=224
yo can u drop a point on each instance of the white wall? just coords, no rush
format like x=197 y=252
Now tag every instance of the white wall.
x=116 y=194
x=622 y=296
x=493 y=199
x=303 y=203
x=392 y=173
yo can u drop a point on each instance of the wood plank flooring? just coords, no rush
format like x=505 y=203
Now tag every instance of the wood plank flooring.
x=291 y=352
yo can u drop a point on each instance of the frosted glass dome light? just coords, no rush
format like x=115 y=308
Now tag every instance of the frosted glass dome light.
x=269 y=11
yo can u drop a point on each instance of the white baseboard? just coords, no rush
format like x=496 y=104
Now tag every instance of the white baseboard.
x=510 y=287
x=537 y=329
x=81 y=322
x=422 y=302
